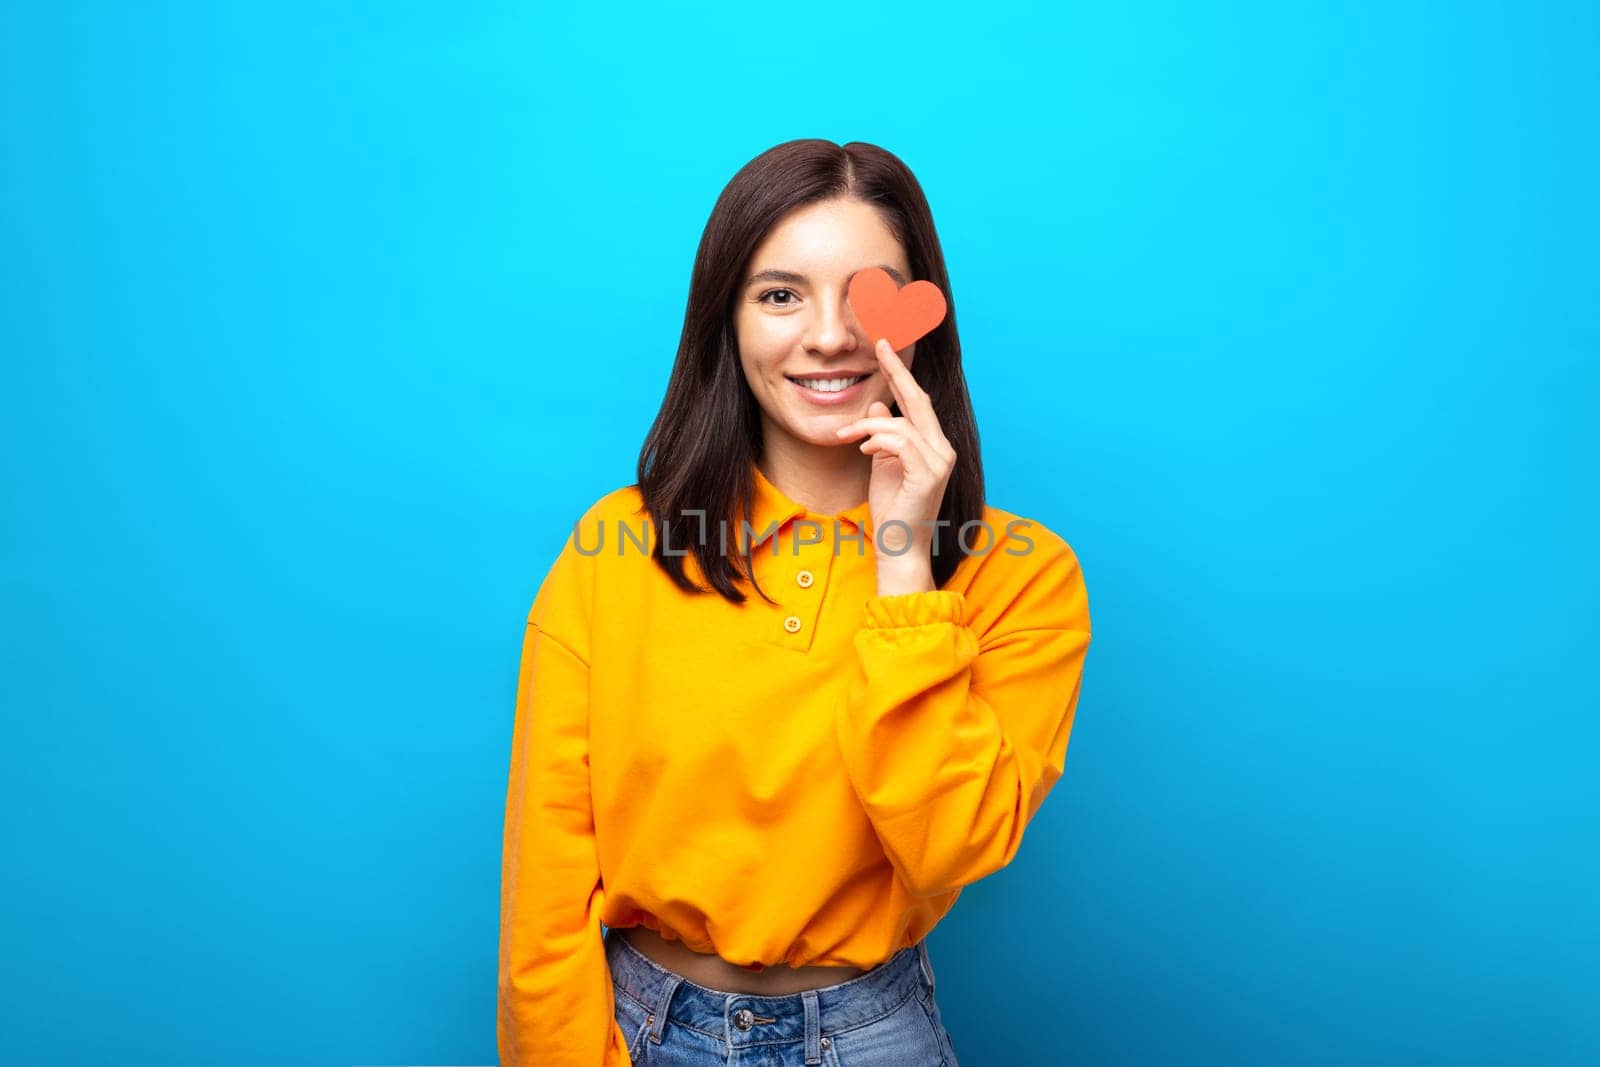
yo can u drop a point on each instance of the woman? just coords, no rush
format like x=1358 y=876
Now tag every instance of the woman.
x=782 y=698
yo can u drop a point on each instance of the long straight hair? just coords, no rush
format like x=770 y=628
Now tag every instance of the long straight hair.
x=697 y=457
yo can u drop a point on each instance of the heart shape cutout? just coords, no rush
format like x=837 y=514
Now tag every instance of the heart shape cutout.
x=884 y=309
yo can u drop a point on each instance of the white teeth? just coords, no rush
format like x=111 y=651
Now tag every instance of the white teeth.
x=829 y=385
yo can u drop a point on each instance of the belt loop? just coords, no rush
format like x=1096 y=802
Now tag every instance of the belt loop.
x=927 y=965
x=665 y=999
x=813 y=1026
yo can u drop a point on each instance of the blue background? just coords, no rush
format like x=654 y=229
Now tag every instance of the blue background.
x=320 y=325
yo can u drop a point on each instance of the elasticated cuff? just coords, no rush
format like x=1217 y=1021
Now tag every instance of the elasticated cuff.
x=914 y=609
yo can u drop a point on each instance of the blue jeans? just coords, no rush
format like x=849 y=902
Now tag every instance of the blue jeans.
x=884 y=1018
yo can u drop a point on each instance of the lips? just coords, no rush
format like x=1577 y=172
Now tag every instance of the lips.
x=825 y=398
x=840 y=383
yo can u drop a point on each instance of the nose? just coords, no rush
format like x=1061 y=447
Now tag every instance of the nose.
x=832 y=328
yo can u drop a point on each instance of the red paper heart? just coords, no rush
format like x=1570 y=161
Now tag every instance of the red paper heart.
x=884 y=309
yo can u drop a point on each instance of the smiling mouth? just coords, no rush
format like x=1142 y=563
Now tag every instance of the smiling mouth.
x=829 y=385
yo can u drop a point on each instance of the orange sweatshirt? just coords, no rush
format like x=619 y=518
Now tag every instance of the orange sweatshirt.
x=807 y=783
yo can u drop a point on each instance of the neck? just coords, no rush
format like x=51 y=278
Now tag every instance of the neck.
x=825 y=480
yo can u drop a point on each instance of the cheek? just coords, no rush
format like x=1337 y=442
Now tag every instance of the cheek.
x=768 y=344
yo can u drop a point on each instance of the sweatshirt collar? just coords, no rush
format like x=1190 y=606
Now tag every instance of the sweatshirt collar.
x=774 y=510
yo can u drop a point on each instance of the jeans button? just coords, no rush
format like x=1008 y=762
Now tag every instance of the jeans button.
x=744 y=1018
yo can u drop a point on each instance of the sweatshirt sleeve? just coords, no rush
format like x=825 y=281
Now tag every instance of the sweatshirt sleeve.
x=952 y=738
x=555 y=991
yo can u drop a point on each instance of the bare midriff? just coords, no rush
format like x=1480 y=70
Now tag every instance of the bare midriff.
x=716 y=973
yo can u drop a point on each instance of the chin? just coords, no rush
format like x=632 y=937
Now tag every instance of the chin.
x=818 y=432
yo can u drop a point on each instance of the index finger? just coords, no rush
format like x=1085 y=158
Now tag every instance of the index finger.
x=913 y=400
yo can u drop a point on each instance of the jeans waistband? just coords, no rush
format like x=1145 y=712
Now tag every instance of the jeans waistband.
x=748 y=1019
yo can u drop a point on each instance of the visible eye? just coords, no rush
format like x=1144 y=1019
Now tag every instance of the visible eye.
x=762 y=299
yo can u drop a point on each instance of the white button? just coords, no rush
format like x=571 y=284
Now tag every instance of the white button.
x=792 y=623
x=805 y=579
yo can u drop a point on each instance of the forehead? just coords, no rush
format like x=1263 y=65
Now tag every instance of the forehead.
x=838 y=235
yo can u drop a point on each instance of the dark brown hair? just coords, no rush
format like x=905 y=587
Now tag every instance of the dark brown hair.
x=697 y=456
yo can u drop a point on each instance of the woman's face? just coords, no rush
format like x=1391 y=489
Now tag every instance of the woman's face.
x=792 y=320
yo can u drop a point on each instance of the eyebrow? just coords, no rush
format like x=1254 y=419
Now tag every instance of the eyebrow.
x=775 y=275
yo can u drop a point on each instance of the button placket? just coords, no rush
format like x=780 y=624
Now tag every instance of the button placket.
x=804 y=607
x=796 y=575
